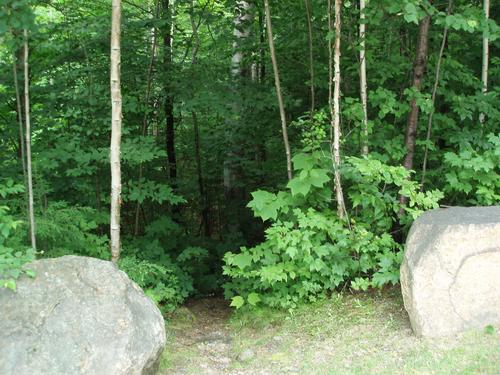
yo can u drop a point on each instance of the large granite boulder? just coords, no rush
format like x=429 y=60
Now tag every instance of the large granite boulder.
x=450 y=276
x=78 y=316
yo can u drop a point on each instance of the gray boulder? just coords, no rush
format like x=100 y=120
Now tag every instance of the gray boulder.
x=78 y=316
x=450 y=275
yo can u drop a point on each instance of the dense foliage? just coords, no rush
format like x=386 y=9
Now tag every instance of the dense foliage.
x=202 y=147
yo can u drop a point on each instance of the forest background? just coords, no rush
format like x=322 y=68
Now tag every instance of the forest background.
x=272 y=159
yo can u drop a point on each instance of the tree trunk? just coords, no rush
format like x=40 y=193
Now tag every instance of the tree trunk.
x=311 y=54
x=434 y=91
x=116 y=130
x=262 y=52
x=486 y=53
x=196 y=128
x=145 y=117
x=278 y=90
x=19 y=112
x=334 y=101
x=169 y=98
x=28 y=141
x=362 y=76
x=418 y=75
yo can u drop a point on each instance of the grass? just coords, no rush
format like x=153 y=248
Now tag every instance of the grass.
x=365 y=333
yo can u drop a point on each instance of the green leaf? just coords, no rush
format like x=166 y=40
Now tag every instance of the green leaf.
x=489 y=329
x=303 y=161
x=253 y=299
x=299 y=187
x=318 y=177
x=10 y=284
x=411 y=13
x=237 y=301
x=242 y=260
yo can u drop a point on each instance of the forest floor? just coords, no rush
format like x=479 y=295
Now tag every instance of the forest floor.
x=366 y=333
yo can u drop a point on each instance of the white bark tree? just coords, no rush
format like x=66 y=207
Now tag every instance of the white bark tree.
x=334 y=98
x=307 y=4
x=116 y=130
x=28 y=142
x=241 y=32
x=362 y=76
x=486 y=54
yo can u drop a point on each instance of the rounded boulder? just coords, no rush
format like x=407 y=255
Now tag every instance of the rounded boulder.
x=78 y=316
x=450 y=275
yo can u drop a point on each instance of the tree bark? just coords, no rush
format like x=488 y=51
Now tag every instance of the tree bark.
x=196 y=128
x=278 y=91
x=434 y=91
x=362 y=76
x=231 y=169
x=116 y=130
x=334 y=101
x=418 y=75
x=311 y=55
x=169 y=98
x=28 y=141
x=19 y=112
x=486 y=53
x=145 y=117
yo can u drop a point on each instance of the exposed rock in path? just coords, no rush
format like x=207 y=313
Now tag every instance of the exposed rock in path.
x=450 y=276
x=79 y=316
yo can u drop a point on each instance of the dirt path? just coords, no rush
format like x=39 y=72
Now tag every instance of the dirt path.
x=200 y=331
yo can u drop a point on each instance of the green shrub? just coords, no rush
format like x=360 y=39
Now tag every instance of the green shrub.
x=165 y=284
x=308 y=250
x=11 y=260
x=64 y=229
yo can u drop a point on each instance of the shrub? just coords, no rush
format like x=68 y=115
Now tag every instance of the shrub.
x=308 y=250
x=11 y=260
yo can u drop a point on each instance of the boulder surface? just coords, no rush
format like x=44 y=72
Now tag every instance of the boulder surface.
x=450 y=275
x=78 y=316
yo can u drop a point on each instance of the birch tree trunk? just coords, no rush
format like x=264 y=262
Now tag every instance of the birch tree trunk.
x=278 y=91
x=334 y=99
x=486 y=53
x=311 y=54
x=362 y=76
x=116 y=130
x=418 y=75
x=28 y=141
x=241 y=32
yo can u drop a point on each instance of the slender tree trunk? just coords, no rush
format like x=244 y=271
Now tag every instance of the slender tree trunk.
x=196 y=128
x=311 y=54
x=486 y=53
x=334 y=99
x=232 y=170
x=28 y=141
x=262 y=51
x=116 y=130
x=418 y=75
x=362 y=76
x=434 y=91
x=278 y=90
x=235 y=213
x=19 y=118
x=145 y=117
x=169 y=98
